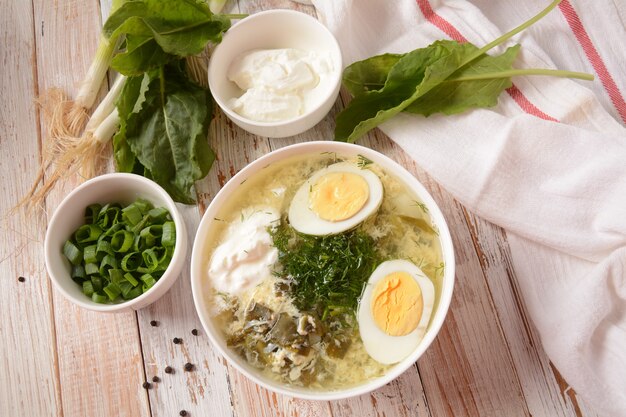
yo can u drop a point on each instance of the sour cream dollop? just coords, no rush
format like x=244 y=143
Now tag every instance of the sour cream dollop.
x=246 y=255
x=279 y=84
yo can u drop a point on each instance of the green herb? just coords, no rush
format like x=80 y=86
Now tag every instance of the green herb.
x=327 y=273
x=163 y=132
x=362 y=161
x=164 y=116
x=134 y=246
x=444 y=77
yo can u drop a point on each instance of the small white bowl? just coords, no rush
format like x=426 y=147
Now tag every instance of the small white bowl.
x=199 y=267
x=273 y=29
x=70 y=215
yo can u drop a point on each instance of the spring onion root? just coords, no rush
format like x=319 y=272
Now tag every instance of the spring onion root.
x=83 y=154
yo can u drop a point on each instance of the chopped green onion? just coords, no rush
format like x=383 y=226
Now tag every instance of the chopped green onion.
x=122 y=241
x=158 y=214
x=91 y=268
x=107 y=263
x=88 y=233
x=90 y=254
x=169 y=234
x=91 y=213
x=151 y=234
x=132 y=214
x=78 y=272
x=112 y=290
x=144 y=205
x=134 y=293
x=87 y=288
x=99 y=298
x=118 y=243
x=131 y=279
x=131 y=262
x=72 y=253
x=97 y=283
x=104 y=247
x=116 y=275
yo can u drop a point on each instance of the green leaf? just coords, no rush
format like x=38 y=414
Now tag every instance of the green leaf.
x=165 y=119
x=142 y=54
x=129 y=103
x=451 y=96
x=369 y=74
x=179 y=27
x=414 y=74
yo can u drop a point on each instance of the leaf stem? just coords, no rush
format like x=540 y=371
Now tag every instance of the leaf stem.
x=513 y=32
x=528 y=71
x=236 y=15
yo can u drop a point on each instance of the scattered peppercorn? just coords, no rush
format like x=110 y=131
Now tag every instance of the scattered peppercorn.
x=182 y=413
x=194 y=332
x=21 y=279
x=156 y=379
x=154 y=323
x=147 y=385
x=169 y=370
x=188 y=367
x=177 y=341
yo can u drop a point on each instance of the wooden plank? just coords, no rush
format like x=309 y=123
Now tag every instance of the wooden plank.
x=100 y=363
x=545 y=391
x=206 y=391
x=28 y=369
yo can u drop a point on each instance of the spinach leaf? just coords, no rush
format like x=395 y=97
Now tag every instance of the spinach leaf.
x=157 y=32
x=369 y=74
x=454 y=96
x=445 y=77
x=165 y=119
x=412 y=76
x=142 y=54
x=178 y=27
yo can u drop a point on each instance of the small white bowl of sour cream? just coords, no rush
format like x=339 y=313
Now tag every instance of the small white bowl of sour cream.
x=289 y=85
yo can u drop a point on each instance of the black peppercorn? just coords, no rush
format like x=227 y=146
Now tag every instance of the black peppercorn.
x=177 y=341
x=153 y=323
x=156 y=379
x=188 y=367
x=147 y=385
x=169 y=370
x=21 y=279
x=182 y=413
x=194 y=332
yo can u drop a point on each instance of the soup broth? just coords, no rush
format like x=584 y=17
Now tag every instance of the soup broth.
x=263 y=321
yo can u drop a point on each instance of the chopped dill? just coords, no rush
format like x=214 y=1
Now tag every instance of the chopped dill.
x=327 y=273
x=421 y=205
x=362 y=161
x=334 y=155
x=440 y=269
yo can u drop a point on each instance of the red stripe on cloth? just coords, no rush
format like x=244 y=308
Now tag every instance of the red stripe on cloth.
x=574 y=22
x=447 y=28
x=439 y=21
x=526 y=105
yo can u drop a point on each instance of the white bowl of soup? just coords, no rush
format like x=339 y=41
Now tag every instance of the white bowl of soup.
x=322 y=270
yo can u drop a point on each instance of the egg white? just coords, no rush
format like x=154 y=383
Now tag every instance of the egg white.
x=304 y=220
x=380 y=346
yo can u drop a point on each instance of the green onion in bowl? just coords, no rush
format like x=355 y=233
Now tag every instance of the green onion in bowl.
x=121 y=252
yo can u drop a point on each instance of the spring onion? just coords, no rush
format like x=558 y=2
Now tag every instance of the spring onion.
x=120 y=252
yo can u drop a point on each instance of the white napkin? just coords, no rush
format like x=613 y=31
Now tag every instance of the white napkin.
x=557 y=188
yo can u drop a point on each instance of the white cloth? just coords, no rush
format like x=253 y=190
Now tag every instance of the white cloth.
x=558 y=189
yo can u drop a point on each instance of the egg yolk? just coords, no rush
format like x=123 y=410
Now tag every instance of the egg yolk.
x=397 y=304
x=337 y=196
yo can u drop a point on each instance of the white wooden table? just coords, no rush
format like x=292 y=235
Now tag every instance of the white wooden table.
x=60 y=360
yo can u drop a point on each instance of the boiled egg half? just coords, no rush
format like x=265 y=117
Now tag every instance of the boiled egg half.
x=335 y=199
x=394 y=310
